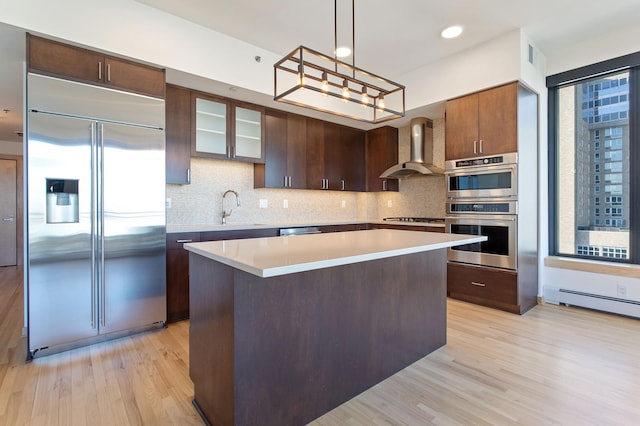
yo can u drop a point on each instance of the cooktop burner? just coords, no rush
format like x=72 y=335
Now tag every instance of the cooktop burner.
x=415 y=219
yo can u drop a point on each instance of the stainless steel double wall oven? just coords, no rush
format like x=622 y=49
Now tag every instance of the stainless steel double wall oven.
x=482 y=199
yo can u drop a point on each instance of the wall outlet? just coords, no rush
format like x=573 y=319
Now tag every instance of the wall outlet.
x=389 y=203
x=168 y=203
x=285 y=204
x=622 y=291
x=344 y=204
x=263 y=203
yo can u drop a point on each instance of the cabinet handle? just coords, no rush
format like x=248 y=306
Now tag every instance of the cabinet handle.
x=478 y=284
x=481 y=150
x=290 y=185
x=285 y=181
x=384 y=185
x=188 y=175
x=184 y=241
x=100 y=70
x=475 y=147
x=342 y=185
x=109 y=72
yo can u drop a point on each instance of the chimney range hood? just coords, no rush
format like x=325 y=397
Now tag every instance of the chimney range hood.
x=421 y=161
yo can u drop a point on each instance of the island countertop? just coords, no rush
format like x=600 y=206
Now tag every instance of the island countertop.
x=273 y=256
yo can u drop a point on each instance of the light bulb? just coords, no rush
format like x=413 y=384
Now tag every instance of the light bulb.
x=301 y=81
x=325 y=84
x=345 y=91
x=365 y=97
x=381 y=104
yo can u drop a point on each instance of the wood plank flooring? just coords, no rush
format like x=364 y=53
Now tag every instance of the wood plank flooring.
x=552 y=366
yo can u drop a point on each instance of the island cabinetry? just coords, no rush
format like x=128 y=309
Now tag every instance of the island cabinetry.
x=485 y=286
x=178 y=275
x=178 y=135
x=225 y=129
x=482 y=124
x=381 y=152
x=285 y=152
x=74 y=63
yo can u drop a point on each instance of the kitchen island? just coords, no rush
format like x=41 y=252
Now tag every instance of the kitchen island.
x=284 y=329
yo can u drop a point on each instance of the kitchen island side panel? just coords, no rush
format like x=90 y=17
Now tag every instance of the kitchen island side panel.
x=307 y=342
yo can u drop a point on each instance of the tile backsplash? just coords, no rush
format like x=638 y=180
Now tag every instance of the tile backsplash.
x=201 y=201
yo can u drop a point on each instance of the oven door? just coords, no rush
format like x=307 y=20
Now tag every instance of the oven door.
x=498 y=251
x=482 y=182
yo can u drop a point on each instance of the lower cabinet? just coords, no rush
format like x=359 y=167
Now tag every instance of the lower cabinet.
x=178 y=264
x=484 y=286
x=178 y=275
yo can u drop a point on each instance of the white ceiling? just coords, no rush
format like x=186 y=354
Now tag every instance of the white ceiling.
x=391 y=38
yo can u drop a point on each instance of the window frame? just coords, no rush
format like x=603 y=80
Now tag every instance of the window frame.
x=630 y=63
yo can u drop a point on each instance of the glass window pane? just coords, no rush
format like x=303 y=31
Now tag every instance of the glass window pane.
x=590 y=111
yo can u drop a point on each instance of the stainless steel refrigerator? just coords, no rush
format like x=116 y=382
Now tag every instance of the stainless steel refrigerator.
x=95 y=214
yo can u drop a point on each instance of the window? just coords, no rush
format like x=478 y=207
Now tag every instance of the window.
x=594 y=123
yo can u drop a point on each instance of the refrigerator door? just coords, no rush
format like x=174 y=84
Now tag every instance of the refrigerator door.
x=61 y=282
x=132 y=292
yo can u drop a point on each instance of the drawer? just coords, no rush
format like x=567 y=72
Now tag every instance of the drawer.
x=176 y=240
x=482 y=283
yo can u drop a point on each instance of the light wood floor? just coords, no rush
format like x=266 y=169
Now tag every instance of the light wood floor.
x=554 y=365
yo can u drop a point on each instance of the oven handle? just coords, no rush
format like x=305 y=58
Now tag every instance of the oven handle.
x=480 y=170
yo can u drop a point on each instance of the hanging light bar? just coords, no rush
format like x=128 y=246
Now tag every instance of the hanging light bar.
x=331 y=85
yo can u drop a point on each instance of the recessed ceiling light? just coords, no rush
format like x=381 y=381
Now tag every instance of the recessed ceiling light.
x=451 y=32
x=343 y=51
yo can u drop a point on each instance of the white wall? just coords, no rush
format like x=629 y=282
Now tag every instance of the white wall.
x=11 y=148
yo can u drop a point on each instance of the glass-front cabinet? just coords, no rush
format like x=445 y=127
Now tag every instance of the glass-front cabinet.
x=226 y=130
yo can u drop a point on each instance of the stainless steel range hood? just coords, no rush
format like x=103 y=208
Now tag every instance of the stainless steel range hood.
x=421 y=161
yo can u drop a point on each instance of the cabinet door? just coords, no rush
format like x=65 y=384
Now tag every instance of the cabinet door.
x=62 y=60
x=272 y=174
x=332 y=156
x=178 y=134
x=381 y=152
x=497 y=120
x=248 y=133
x=315 y=154
x=461 y=127
x=178 y=275
x=297 y=151
x=134 y=77
x=352 y=162
x=210 y=121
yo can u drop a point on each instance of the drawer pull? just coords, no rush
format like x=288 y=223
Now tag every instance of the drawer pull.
x=478 y=284
x=184 y=241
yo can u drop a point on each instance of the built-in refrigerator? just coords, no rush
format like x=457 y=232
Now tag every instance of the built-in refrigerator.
x=95 y=208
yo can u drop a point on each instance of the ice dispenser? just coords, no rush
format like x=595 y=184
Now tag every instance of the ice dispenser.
x=62 y=201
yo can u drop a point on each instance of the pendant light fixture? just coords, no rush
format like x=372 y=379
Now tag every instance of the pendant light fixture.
x=311 y=79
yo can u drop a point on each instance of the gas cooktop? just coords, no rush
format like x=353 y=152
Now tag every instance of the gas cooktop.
x=415 y=219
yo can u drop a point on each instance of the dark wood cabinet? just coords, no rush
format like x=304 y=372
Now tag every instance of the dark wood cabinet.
x=484 y=286
x=178 y=275
x=316 y=177
x=178 y=135
x=381 y=152
x=74 y=63
x=285 y=152
x=482 y=124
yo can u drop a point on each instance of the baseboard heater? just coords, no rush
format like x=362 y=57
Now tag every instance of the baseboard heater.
x=601 y=303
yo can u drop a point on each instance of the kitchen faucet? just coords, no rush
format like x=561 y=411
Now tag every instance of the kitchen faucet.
x=226 y=214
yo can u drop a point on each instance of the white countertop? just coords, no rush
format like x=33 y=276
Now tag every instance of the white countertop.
x=273 y=256
x=207 y=227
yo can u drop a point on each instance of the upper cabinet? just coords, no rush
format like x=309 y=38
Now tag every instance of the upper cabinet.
x=482 y=124
x=178 y=134
x=226 y=129
x=285 y=152
x=70 y=62
x=381 y=152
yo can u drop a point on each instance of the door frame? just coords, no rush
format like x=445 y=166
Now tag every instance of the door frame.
x=19 y=205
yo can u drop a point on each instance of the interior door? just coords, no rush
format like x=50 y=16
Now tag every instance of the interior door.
x=8 y=231
x=133 y=288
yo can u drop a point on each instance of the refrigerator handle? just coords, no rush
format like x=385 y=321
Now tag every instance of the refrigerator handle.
x=101 y=224
x=94 y=209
